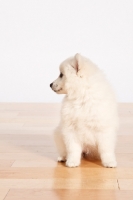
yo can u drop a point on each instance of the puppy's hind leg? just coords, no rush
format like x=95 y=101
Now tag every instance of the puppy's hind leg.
x=60 y=145
x=106 y=147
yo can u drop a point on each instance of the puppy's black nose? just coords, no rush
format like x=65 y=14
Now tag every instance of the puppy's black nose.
x=51 y=84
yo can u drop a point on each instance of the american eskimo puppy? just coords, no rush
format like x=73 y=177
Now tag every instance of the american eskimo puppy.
x=89 y=118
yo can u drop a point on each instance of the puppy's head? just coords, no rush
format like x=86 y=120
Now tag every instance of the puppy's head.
x=58 y=85
x=73 y=73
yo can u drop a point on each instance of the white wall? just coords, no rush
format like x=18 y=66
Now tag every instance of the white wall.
x=36 y=35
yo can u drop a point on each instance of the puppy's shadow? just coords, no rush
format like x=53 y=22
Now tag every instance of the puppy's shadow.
x=38 y=146
x=43 y=147
x=85 y=163
x=91 y=162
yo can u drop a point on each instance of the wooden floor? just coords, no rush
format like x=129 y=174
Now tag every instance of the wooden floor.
x=28 y=166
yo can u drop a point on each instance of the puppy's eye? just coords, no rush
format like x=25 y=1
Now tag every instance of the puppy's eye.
x=61 y=75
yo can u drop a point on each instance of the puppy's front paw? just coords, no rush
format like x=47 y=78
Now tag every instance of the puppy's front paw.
x=110 y=164
x=61 y=159
x=108 y=160
x=72 y=163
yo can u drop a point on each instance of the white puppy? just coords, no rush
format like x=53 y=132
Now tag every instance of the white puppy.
x=89 y=119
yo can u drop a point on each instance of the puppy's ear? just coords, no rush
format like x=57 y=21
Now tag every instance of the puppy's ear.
x=76 y=61
x=78 y=64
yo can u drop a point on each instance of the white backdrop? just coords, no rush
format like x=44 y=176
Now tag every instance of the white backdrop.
x=36 y=35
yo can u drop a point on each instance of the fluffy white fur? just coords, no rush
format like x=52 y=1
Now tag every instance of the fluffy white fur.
x=89 y=119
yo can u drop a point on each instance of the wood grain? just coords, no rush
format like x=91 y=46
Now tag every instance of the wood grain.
x=65 y=194
x=3 y=193
x=28 y=158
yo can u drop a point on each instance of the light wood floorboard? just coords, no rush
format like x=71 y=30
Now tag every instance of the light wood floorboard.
x=28 y=165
